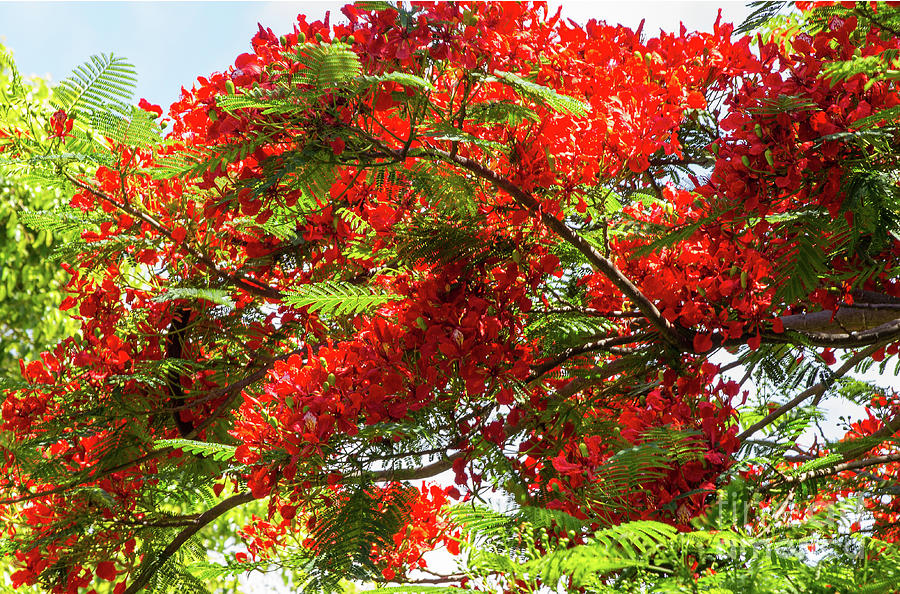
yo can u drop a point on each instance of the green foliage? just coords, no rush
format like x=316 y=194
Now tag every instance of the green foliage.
x=346 y=534
x=501 y=112
x=456 y=239
x=735 y=548
x=763 y=12
x=103 y=84
x=30 y=281
x=338 y=298
x=544 y=95
x=138 y=129
x=219 y=452
x=217 y=296
x=326 y=65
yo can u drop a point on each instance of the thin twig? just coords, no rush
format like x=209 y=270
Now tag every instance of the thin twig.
x=597 y=345
x=238 y=280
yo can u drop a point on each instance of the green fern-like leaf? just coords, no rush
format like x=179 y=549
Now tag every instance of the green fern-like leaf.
x=7 y=63
x=339 y=298
x=501 y=112
x=270 y=106
x=104 y=83
x=138 y=130
x=544 y=95
x=402 y=78
x=629 y=545
x=326 y=65
x=347 y=532
x=61 y=221
x=762 y=13
x=217 y=451
x=217 y=296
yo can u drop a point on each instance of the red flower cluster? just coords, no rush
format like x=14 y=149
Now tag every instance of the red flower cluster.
x=487 y=126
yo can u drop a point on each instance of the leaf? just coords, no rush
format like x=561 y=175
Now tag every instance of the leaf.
x=501 y=112
x=217 y=296
x=236 y=102
x=61 y=221
x=339 y=298
x=217 y=451
x=549 y=97
x=138 y=130
x=762 y=13
x=401 y=78
x=102 y=84
x=326 y=65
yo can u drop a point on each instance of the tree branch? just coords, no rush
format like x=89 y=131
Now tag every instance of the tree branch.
x=147 y=571
x=809 y=392
x=597 y=345
x=413 y=474
x=599 y=262
x=526 y=200
x=865 y=316
x=236 y=388
x=232 y=390
x=830 y=471
x=238 y=279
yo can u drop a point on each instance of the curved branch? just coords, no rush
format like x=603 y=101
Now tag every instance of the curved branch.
x=604 y=265
x=864 y=316
x=174 y=350
x=147 y=571
x=668 y=331
x=842 y=339
x=597 y=345
x=883 y=333
x=413 y=474
x=809 y=392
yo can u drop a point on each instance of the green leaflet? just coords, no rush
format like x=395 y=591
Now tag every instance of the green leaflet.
x=881 y=65
x=784 y=104
x=138 y=130
x=350 y=529
x=501 y=112
x=762 y=13
x=236 y=102
x=327 y=65
x=217 y=451
x=402 y=78
x=545 y=95
x=62 y=220
x=217 y=296
x=338 y=298
x=103 y=83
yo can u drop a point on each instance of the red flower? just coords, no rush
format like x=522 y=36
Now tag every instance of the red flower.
x=147 y=106
x=60 y=124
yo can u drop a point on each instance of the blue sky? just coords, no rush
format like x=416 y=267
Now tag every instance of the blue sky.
x=171 y=43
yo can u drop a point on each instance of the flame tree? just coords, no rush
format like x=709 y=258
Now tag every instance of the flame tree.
x=481 y=242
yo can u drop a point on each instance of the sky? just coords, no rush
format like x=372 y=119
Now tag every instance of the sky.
x=172 y=43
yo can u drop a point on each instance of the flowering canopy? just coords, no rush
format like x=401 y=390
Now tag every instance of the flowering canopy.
x=473 y=239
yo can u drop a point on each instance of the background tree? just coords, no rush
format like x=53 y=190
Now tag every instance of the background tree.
x=471 y=238
x=31 y=279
